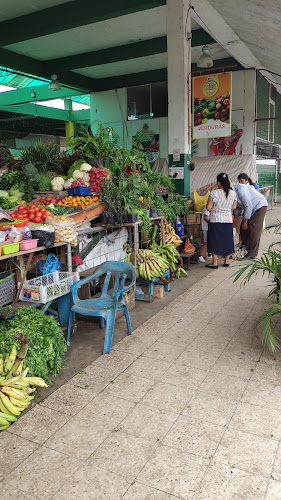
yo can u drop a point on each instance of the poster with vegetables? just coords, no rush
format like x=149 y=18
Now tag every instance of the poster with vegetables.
x=212 y=106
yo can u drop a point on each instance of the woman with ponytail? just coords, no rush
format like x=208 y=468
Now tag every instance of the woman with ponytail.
x=221 y=203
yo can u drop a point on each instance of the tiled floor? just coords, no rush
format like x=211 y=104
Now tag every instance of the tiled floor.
x=186 y=408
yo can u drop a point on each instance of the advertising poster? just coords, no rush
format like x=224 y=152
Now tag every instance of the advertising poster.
x=212 y=106
x=146 y=139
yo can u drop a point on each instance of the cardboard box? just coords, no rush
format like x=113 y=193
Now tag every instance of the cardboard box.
x=191 y=219
x=158 y=291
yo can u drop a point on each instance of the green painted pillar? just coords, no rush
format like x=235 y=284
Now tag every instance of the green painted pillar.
x=179 y=98
x=69 y=126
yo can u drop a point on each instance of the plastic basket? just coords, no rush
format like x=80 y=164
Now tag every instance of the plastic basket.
x=48 y=287
x=28 y=244
x=79 y=191
x=8 y=288
x=8 y=248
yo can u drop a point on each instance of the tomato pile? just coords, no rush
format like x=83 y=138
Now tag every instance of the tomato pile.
x=46 y=200
x=31 y=212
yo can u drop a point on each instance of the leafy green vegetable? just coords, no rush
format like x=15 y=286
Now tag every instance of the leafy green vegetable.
x=4 y=194
x=16 y=193
x=30 y=171
x=76 y=166
x=6 y=204
x=18 y=180
x=44 y=183
x=46 y=343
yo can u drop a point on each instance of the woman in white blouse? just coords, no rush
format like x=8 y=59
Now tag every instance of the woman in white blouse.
x=221 y=203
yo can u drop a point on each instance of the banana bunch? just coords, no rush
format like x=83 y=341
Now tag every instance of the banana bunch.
x=170 y=235
x=15 y=386
x=171 y=257
x=149 y=265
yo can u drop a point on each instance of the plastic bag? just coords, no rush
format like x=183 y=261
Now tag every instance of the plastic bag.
x=15 y=234
x=200 y=201
x=50 y=265
x=65 y=230
x=188 y=247
x=44 y=233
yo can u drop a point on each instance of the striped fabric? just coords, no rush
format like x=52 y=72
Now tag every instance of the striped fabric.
x=203 y=177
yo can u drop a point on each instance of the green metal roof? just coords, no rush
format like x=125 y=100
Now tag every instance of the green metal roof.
x=11 y=79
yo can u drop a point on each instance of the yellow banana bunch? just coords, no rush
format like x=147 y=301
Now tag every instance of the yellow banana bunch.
x=15 y=387
x=170 y=235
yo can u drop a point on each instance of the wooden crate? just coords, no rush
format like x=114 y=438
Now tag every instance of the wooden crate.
x=191 y=219
x=158 y=292
x=194 y=230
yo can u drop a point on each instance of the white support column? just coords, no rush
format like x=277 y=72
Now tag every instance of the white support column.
x=249 y=112
x=179 y=67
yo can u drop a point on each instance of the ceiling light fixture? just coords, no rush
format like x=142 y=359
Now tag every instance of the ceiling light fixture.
x=205 y=60
x=54 y=84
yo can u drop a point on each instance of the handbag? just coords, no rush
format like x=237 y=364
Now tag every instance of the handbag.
x=188 y=247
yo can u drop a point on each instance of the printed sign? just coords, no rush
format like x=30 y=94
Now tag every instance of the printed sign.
x=176 y=172
x=212 y=106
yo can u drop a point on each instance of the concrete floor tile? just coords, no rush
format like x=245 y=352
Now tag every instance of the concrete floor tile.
x=235 y=365
x=174 y=471
x=194 y=436
x=228 y=483
x=183 y=375
x=92 y=483
x=246 y=451
x=269 y=373
x=134 y=345
x=211 y=409
x=9 y=492
x=263 y=394
x=39 y=422
x=123 y=454
x=115 y=362
x=14 y=450
x=273 y=491
x=148 y=422
x=106 y=409
x=276 y=473
x=166 y=352
x=223 y=386
x=168 y=397
x=197 y=358
x=257 y=420
x=244 y=352
x=139 y=491
x=93 y=377
x=129 y=387
x=178 y=336
x=43 y=473
x=68 y=399
x=152 y=369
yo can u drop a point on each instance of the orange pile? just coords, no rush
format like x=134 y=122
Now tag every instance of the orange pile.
x=79 y=201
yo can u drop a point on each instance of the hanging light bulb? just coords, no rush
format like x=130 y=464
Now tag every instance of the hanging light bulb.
x=205 y=60
x=54 y=84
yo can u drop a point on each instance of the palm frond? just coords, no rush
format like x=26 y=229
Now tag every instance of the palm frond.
x=269 y=337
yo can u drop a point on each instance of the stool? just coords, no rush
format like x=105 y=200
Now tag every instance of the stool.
x=187 y=256
x=151 y=283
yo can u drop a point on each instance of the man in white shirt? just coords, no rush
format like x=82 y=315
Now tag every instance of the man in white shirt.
x=252 y=205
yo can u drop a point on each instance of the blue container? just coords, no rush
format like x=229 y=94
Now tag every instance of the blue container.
x=79 y=191
x=179 y=231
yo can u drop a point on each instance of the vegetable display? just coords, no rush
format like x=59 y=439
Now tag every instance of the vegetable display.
x=216 y=108
x=31 y=212
x=15 y=386
x=45 y=339
x=79 y=201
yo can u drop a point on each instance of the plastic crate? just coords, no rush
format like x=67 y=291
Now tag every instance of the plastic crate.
x=8 y=289
x=79 y=191
x=48 y=287
x=8 y=248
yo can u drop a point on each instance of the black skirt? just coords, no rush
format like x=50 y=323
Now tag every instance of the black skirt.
x=220 y=238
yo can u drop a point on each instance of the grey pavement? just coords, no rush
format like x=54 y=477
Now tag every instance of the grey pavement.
x=188 y=407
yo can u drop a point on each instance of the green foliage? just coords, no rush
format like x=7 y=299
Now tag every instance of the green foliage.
x=18 y=181
x=5 y=155
x=46 y=343
x=95 y=147
x=45 y=156
x=44 y=183
x=175 y=205
x=269 y=337
x=30 y=171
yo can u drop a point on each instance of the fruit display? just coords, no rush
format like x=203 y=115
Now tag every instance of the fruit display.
x=171 y=256
x=46 y=200
x=15 y=386
x=149 y=265
x=31 y=212
x=79 y=201
x=170 y=235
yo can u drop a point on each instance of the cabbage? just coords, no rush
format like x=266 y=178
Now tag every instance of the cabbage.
x=16 y=193
x=4 y=194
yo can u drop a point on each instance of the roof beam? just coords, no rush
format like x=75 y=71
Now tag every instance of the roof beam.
x=109 y=55
x=67 y=16
x=25 y=64
x=37 y=110
x=142 y=78
x=120 y=53
x=23 y=95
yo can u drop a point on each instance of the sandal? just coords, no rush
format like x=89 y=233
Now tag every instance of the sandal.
x=211 y=267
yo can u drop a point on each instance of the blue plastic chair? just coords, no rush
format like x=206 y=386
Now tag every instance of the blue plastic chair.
x=106 y=306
